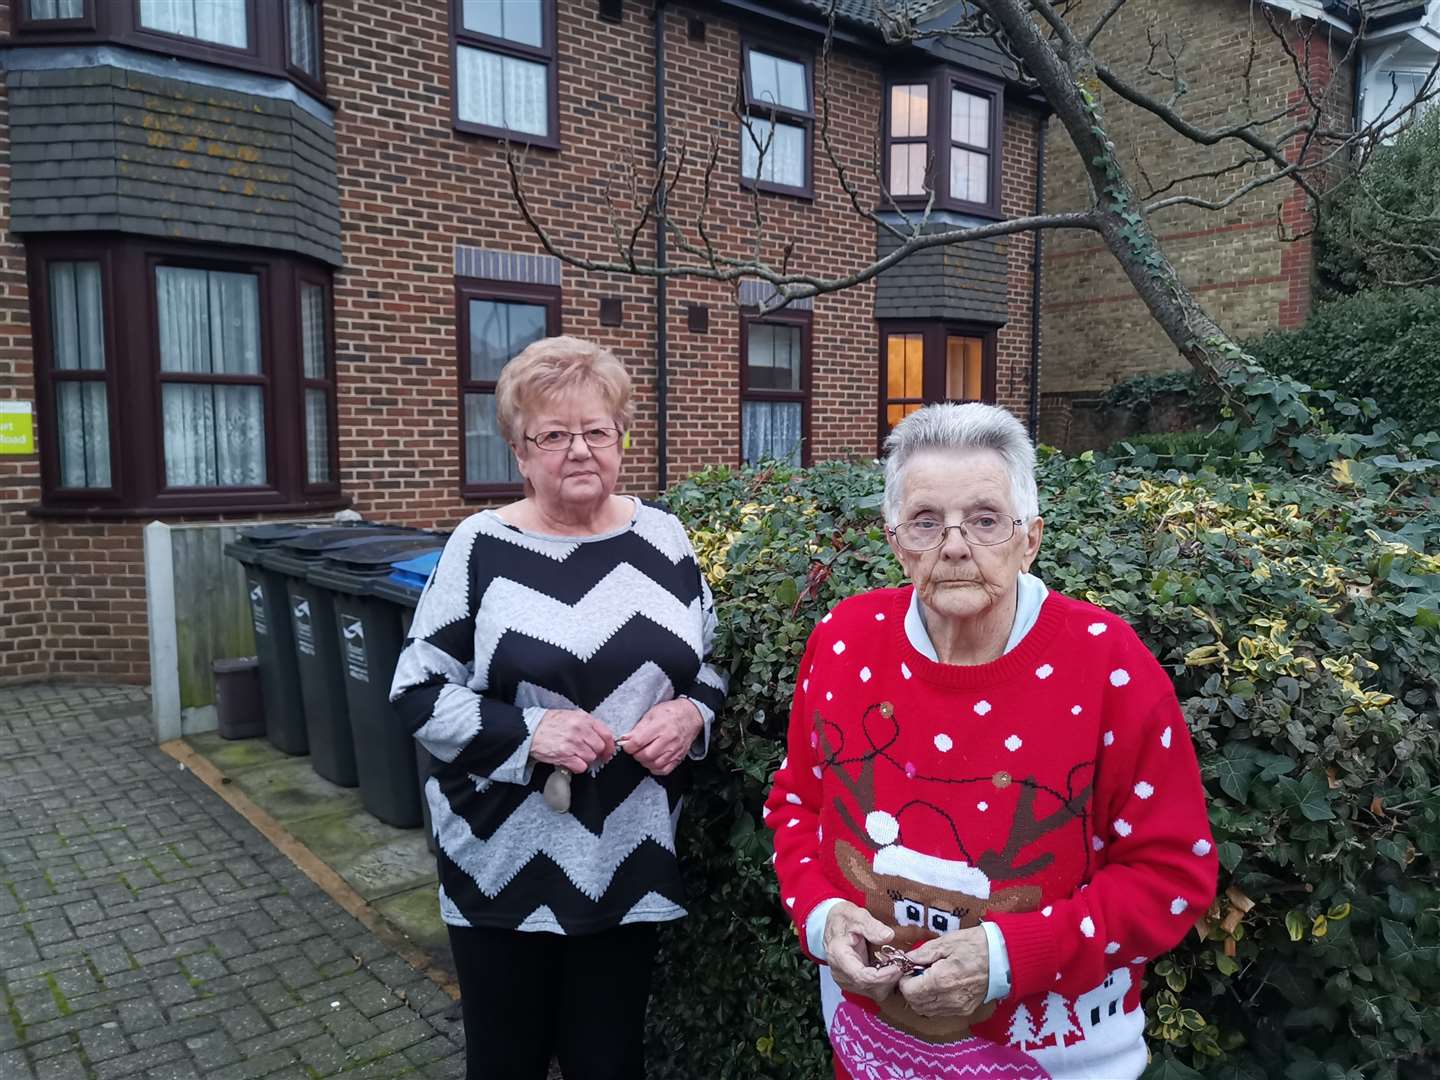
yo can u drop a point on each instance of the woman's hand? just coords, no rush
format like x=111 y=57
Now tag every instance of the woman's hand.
x=850 y=930
x=664 y=735
x=956 y=976
x=572 y=739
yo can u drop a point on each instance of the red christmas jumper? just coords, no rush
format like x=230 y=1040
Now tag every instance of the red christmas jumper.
x=1054 y=791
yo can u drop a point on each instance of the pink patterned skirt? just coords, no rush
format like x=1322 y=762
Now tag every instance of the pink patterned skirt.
x=867 y=1048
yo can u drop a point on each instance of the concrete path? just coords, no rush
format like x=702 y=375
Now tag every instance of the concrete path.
x=147 y=930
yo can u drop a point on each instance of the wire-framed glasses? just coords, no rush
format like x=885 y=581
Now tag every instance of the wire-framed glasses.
x=928 y=533
x=597 y=438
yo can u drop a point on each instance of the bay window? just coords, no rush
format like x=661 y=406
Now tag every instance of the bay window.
x=277 y=37
x=942 y=135
x=181 y=378
x=926 y=362
x=216 y=22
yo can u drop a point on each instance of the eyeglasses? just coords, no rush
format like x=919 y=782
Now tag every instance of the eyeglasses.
x=597 y=438
x=926 y=534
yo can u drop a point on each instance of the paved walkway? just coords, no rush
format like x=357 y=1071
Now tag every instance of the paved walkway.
x=147 y=930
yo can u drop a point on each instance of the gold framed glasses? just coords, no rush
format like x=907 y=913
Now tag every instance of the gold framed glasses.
x=557 y=440
x=928 y=533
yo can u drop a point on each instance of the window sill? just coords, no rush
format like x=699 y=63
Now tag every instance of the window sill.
x=521 y=138
x=100 y=512
x=805 y=194
x=492 y=492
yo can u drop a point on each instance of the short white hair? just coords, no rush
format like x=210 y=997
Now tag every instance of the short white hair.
x=957 y=429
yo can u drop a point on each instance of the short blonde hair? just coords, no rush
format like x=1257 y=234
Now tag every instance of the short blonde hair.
x=552 y=367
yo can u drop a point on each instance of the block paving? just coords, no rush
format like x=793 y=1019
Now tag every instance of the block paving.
x=147 y=930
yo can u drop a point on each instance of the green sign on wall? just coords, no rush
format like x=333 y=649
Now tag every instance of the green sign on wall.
x=17 y=427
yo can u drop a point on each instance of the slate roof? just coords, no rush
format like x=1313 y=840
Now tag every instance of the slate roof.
x=978 y=55
x=1377 y=13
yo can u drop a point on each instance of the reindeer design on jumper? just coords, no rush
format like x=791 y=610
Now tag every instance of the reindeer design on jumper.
x=923 y=896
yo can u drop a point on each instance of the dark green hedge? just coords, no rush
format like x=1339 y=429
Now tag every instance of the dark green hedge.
x=1381 y=344
x=1299 y=617
x=1386 y=232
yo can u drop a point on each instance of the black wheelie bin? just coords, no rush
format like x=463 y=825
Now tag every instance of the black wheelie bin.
x=368 y=638
x=274 y=644
x=402 y=587
x=311 y=614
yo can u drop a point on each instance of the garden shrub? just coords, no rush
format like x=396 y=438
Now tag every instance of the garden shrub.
x=1380 y=344
x=1388 y=233
x=1298 y=614
x=1141 y=394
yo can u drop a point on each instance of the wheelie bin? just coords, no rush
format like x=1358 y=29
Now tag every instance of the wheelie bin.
x=317 y=660
x=402 y=587
x=368 y=637
x=274 y=644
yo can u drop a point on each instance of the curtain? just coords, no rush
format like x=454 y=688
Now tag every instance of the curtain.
x=317 y=437
x=969 y=118
x=222 y=22
x=784 y=157
x=304 y=49
x=503 y=91
x=57 y=9
x=969 y=175
x=907 y=168
x=78 y=344
x=487 y=457
x=210 y=324
x=771 y=431
x=315 y=366
x=312 y=331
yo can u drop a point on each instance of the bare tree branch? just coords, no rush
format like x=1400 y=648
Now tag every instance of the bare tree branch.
x=1100 y=23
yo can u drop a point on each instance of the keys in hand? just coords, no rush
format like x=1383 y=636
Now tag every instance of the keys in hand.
x=889 y=956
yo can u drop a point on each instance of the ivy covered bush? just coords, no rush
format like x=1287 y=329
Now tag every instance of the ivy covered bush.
x=1381 y=343
x=1297 y=606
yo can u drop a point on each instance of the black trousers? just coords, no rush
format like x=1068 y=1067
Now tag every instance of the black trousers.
x=529 y=996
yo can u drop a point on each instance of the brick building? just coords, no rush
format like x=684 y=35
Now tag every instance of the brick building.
x=260 y=259
x=1096 y=331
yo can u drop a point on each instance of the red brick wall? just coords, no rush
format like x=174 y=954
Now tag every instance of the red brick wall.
x=411 y=190
x=1096 y=331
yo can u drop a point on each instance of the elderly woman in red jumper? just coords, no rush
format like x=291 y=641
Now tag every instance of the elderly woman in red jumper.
x=990 y=818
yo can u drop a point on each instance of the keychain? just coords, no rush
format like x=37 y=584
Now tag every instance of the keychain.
x=557 y=784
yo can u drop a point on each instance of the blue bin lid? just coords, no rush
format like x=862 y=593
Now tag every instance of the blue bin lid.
x=415 y=572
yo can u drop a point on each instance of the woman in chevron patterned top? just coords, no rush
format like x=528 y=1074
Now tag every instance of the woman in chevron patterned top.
x=557 y=670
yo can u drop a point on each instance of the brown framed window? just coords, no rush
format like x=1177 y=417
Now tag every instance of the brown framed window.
x=908 y=135
x=221 y=360
x=775 y=388
x=303 y=37
x=213 y=383
x=496 y=320
x=926 y=362
x=55 y=14
x=215 y=22
x=777 y=127
x=280 y=37
x=79 y=374
x=504 y=60
x=943 y=134
x=317 y=371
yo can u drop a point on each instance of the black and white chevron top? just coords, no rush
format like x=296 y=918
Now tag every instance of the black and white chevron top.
x=514 y=623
